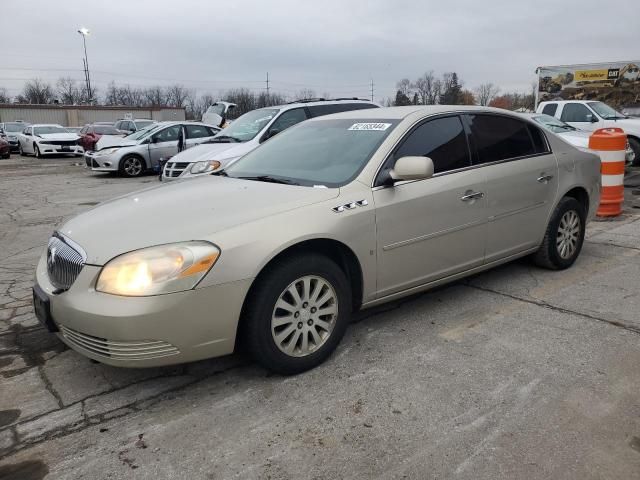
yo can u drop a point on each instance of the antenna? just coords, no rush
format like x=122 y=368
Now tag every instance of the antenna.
x=372 y=89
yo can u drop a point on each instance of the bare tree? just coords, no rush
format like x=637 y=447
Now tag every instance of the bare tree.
x=485 y=93
x=404 y=87
x=305 y=94
x=111 y=95
x=38 y=91
x=243 y=98
x=154 y=96
x=424 y=88
x=177 y=95
x=68 y=91
x=4 y=96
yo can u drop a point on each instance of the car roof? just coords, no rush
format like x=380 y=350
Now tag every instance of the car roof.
x=46 y=125
x=399 y=113
x=320 y=101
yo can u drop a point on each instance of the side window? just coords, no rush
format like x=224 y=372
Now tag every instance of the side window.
x=286 y=120
x=500 y=138
x=539 y=140
x=118 y=125
x=320 y=110
x=442 y=139
x=169 y=134
x=212 y=131
x=550 y=109
x=576 y=112
x=197 y=131
x=27 y=131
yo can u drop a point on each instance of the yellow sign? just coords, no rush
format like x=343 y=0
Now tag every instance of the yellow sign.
x=591 y=75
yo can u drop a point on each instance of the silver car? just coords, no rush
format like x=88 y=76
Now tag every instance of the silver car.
x=147 y=148
x=336 y=214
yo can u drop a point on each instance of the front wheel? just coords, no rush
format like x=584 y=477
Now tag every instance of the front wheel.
x=635 y=146
x=297 y=314
x=564 y=237
x=36 y=151
x=131 y=166
x=20 y=150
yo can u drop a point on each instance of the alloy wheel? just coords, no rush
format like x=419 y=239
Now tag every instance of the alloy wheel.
x=132 y=166
x=568 y=234
x=304 y=316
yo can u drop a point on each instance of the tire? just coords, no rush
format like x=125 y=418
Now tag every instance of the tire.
x=265 y=325
x=559 y=251
x=635 y=146
x=131 y=166
x=7 y=155
x=20 y=150
x=36 y=151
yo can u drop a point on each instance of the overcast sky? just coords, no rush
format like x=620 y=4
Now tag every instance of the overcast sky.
x=329 y=45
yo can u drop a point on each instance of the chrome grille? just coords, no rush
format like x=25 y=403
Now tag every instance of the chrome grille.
x=175 y=169
x=135 y=350
x=65 y=260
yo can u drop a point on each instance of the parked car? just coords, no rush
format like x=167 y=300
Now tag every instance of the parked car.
x=146 y=149
x=12 y=130
x=131 y=126
x=591 y=115
x=75 y=130
x=5 y=148
x=575 y=136
x=339 y=213
x=48 y=139
x=218 y=114
x=90 y=134
x=248 y=132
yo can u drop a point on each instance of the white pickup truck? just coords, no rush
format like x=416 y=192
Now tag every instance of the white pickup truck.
x=591 y=115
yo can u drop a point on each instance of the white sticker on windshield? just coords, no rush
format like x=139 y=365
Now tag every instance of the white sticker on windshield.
x=370 y=126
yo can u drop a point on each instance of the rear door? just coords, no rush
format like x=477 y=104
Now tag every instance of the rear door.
x=433 y=228
x=196 y=134
x=522 y=180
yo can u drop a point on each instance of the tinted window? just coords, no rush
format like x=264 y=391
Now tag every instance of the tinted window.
x=550 y=109
x=197 y=131
x=319 y=110
x=576 y=112
x=212 y=131
x=443 y=140
x=500 y=138
x=288 y=119
x=539 y=140
x=105 y=130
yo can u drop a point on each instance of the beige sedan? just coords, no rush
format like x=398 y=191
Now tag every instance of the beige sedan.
x=336 y=214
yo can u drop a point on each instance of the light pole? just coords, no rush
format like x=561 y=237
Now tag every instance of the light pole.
x=85 y=32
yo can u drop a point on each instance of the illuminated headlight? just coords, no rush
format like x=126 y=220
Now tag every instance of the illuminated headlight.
x=106 y=151
x=202 y=167
x=157 y=270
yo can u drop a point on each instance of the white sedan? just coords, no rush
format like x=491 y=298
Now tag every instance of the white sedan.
x=576 y=137
x=42 y=140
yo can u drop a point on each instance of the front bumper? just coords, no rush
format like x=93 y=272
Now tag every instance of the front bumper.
x=13 y=143
x=100 y=163
x=145 y=331
x=46 y=149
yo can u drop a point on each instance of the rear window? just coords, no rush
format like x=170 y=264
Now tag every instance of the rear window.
x=550 y=109
x=500 y=137
x=105 y=130
x=539 y=140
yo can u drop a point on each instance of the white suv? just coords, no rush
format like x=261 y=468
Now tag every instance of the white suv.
x=248 y=132
x=591 y=115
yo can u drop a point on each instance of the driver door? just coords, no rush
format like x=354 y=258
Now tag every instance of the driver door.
x=164 y=144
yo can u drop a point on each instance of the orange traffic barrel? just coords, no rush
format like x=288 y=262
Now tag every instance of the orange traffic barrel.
x=610 y=144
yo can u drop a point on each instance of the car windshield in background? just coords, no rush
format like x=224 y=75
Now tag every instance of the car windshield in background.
x=142 y=133
x=553 y=124
x=247 y=126
x=49 y=130
x=106 y=130
x=217 y=109
x=14 y=127
x=605 y=111
x=326 y=153
x=143 y=123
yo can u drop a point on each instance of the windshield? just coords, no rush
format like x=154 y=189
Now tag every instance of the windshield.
x=143 y=132
x=52 y=129
x=327 y=153
x=106 y=130
x=605 y=111
x=14 y=127
x=248 y=125
x=553 y=124
x=217 y=109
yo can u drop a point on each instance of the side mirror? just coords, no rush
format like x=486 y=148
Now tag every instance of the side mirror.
x=155 y=139
x=594 y=119
x=412 y=168
x=273 y=133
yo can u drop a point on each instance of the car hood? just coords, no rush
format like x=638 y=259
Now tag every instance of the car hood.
x=182 y=211
x=632 y=125
x=59 y=136
x=113 y=141
x=213 y=151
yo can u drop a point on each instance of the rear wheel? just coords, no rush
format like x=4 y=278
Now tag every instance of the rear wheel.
x=131 y=166
x=297 y=314
x=635 y=146
x=564 y=237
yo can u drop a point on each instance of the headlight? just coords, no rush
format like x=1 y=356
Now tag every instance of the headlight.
x=107 y=151
x=156 y=270
x=202 y=167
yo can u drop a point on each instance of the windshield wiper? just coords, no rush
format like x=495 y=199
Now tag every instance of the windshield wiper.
x=224 y=139
x=270 y=179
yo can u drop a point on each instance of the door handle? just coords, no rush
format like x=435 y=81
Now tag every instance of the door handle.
x=544 y=178
x=470 y=195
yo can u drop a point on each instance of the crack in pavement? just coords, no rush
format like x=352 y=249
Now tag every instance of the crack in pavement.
x=613 y=245
x=543 y=304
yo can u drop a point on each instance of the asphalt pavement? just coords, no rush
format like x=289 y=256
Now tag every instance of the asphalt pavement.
x=517 y=373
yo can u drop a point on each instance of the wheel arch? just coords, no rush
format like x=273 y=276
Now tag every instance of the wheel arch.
x=580 y=194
